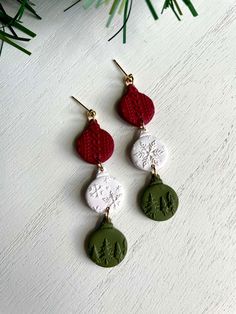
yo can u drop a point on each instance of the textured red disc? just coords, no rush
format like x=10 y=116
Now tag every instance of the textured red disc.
x=94 y=145
x=136 y=108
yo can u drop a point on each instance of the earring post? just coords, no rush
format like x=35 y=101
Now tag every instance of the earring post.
x=80 y=103
x=120 y=67
x=90 y=112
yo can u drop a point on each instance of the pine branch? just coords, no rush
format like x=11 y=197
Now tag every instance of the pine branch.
x=12 y=23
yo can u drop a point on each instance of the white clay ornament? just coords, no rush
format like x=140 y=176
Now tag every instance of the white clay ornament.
x=104 y=192
x=148 y=151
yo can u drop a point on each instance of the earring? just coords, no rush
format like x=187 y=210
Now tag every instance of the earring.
x=107 y=246
x=158 y=201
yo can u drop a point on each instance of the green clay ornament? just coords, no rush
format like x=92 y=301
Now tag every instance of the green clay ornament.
x=159 y=201
x=107 y=246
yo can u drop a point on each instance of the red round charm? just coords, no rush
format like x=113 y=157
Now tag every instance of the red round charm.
x=94 y=145
x=135 y=107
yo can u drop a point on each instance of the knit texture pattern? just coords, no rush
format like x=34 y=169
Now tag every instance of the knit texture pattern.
x=135 y=107
x=94 y=145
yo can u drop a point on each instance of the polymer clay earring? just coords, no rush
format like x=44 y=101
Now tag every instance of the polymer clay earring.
x=107 y=246
x=158 y=201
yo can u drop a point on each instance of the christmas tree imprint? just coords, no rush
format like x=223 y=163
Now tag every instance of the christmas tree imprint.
x=107 y=246
x=165 y=205
x=106 y=252
x=118 y=253
x=170 y=203
x=149 y=204
x=152 y=206
x=124 y=247
x=159 y=201
x=94 y=255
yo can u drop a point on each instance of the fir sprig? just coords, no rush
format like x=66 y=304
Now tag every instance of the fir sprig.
x=124 y=6
x=173 y=4
x=10 y=25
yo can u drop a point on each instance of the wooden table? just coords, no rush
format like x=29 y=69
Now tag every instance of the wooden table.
x=185 y=265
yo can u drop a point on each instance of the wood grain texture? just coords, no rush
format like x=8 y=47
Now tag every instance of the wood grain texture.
x=185 y=265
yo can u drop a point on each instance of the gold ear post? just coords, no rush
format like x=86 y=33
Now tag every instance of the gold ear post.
x=154 y=170
x=90 y=112
x=107 y=214
x=129 y=79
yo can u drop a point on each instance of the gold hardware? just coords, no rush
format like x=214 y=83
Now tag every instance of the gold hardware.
x=100 y=167
x=154 y=171
x=129 y=79
x=90 y=112
x=106 y=214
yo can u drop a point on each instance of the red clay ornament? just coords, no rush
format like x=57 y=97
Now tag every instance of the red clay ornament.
x=136 y=108
x=94 y=145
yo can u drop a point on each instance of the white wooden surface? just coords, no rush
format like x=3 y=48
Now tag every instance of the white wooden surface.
x=186 y=265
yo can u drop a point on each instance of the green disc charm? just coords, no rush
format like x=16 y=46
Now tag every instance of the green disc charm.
x=107 y=246
x=159 y=201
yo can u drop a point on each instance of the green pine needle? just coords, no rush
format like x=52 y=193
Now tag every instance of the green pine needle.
x=173 y=4
x=151 y=8
x=125 y=21
x=12 y=43
x=191 y=7
x=10 y=25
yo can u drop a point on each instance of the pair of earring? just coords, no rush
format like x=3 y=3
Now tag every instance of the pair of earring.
x=107 y=246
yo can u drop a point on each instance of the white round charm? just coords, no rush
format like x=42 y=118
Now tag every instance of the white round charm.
x=105 y=191
x=148 y=151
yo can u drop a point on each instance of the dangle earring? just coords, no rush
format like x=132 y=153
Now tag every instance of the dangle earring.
x=158 y=201
x=107 y=246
